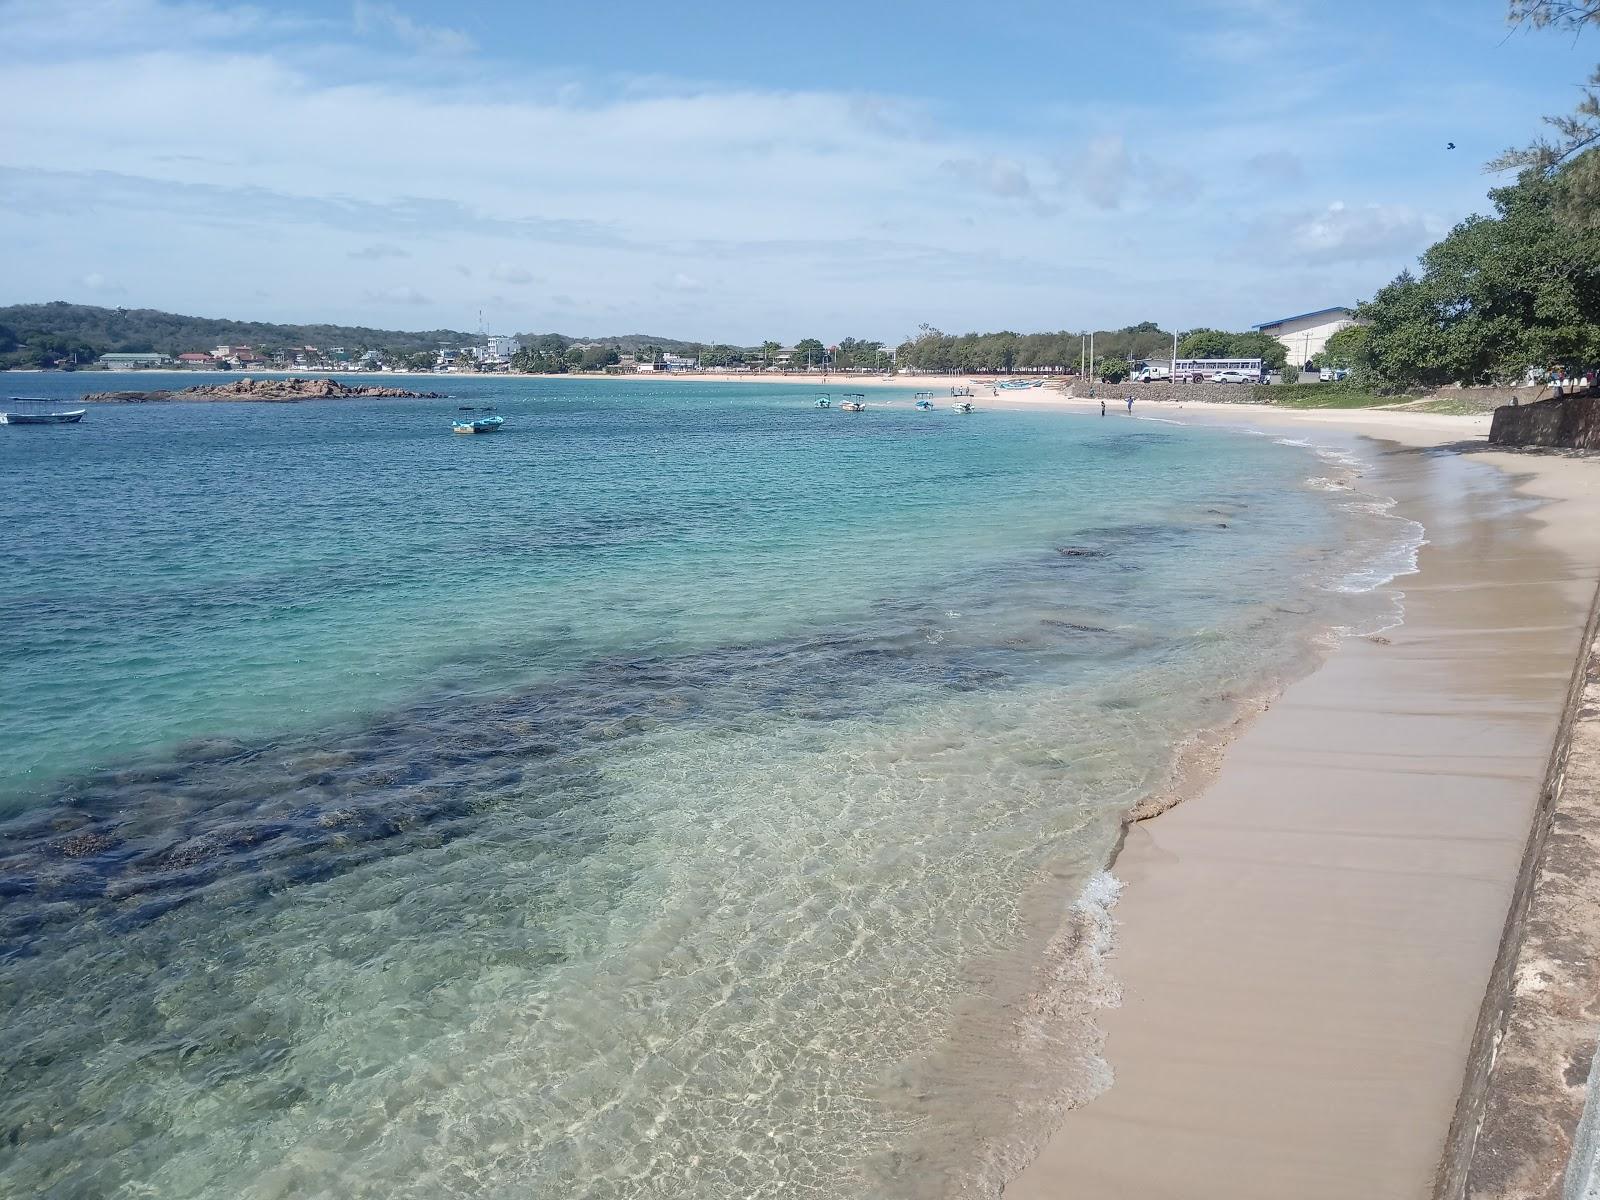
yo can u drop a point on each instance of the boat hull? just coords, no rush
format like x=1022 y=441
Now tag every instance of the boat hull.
x=55 y=418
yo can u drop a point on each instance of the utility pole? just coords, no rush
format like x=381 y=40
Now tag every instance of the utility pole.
x=1091 y=354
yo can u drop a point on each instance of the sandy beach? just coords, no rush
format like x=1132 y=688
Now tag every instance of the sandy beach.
x=1303 y=947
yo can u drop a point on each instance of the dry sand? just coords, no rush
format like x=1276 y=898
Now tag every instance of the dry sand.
x=1303 y=947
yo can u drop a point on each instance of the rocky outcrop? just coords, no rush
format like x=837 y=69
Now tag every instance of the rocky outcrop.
x=269 y=391
x=1572 y=421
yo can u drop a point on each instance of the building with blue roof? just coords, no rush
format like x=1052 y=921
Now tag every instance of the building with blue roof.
x=1305 y=334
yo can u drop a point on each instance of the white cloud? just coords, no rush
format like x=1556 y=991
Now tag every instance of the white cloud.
x=993 y=173
x=379 y=250
x=371 y=17
x=96 y=282
x=403 y=294
x=1104 y=175
x=806 y=208
x=1346 y=233
x=506 y=273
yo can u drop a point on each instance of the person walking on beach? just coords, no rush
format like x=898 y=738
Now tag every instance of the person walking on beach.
x=1130 y=404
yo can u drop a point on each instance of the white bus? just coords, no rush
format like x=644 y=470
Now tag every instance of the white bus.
x=1201 y=370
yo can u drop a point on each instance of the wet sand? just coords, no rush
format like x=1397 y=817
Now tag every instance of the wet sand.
x=1303 y=948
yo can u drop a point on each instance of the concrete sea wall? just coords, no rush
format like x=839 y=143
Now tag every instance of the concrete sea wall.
x=1521 y=1130
x=1570 y=421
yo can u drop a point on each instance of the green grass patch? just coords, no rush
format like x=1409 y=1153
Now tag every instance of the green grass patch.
x=1456 y=408
x=1323 y=395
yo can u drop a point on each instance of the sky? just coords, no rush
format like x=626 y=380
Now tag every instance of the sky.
x=732 y=172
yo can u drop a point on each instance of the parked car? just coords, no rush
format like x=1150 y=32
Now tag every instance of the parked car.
x=1334 y=374
x=1232 y=377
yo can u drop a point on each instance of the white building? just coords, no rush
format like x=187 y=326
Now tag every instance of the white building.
x=679 y=362
x=498 y=347
x=1306 y=335
x=124 y=362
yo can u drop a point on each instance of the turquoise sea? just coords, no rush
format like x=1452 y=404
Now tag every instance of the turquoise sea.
x=685 y=793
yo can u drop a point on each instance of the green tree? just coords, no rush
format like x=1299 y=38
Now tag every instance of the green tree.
x=1114 y=368
x=597 y=358
x=1571 y=155
x=1346 y=350
x=1496 y=296
x=1206 y=343
x=1264 y=346
x=807 y=352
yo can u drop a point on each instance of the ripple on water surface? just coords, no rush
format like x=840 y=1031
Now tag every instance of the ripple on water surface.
x=671 y=840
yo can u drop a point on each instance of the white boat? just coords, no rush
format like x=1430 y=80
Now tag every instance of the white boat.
x=962 y=406
x=854 y=402
x=42 y=416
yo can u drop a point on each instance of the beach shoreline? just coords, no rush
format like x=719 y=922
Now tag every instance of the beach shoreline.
x=1303 y=944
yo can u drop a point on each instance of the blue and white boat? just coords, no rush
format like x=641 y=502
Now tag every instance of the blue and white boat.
x=824 y=402
x=40 y=416
x=483 y=425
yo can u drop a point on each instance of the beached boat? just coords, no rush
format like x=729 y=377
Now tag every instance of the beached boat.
x=1013 y=384
x=40 y=416
x=481 y=425
x=962 y=406
x=824 y=402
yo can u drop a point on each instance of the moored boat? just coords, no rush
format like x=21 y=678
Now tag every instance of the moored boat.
x=482 y=425
x=824 y=402
x=924 y=405
x=855 y=402
x=962 y=406
x=41 y=416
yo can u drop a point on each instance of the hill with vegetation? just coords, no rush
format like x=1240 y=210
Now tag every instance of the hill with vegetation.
x=56 y=333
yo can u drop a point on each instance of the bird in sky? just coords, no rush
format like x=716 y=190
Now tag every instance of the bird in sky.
x=1449 y=145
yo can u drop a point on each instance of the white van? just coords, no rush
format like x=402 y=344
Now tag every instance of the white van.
x=1145 y=373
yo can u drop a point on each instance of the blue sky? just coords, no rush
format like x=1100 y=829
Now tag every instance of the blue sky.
x=735 y=172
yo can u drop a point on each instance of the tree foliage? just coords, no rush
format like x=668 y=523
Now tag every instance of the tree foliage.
x=1498 y=295
x=1218 y=343
x=1005 y=352
x=1571 y=154
x=1346 y=350
x=1114 y=368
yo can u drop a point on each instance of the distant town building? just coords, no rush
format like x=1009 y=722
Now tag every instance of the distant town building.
x=197 y=358
x=499 y=347
x=123 y=362
x=679 y=362
x=1306 y=335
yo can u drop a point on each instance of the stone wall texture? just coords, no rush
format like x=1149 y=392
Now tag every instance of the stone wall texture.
x=1570 y=421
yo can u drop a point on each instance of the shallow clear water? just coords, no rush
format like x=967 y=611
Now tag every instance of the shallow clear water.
x=639 y=802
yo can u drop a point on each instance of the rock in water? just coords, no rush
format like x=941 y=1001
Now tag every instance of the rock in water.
x=270 y=391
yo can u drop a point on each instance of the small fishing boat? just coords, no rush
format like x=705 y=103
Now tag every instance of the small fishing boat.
x=824 y=402
x=925 y=405
x=475 y=408
x=40 y=416
x=480 y=425
x=854 y=402
x=1013 y=384
x=963 y=406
